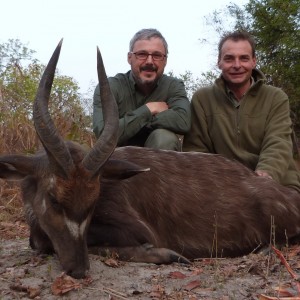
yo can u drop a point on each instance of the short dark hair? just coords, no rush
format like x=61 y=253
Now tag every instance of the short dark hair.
x=237 y=36
x=147 y=34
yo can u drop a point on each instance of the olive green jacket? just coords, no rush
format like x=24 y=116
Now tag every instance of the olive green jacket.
x=135 y=115
x=258 y=133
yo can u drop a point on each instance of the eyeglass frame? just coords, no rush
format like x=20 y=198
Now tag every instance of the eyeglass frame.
x=163 y=56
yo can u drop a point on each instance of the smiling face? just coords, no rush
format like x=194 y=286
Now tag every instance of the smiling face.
x=236 y=61
x=146 y=72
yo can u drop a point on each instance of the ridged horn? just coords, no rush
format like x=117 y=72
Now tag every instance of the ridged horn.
x=61 y=162
x=107 y=142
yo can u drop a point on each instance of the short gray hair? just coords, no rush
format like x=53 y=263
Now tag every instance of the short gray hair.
x=147 y=34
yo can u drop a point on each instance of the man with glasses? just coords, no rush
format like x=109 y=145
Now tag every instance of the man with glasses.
x=154 y=110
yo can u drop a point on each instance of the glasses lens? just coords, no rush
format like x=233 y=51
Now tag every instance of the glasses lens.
x=157 y=56
x=141 y=55
x=144 y=55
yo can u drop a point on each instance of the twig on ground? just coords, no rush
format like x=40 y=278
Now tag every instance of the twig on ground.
x=115 y=293
x=286 y=264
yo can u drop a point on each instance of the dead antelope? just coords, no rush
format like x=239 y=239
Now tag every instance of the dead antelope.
x=150 y=205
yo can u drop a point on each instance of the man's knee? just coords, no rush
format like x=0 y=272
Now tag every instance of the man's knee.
x=163 y=139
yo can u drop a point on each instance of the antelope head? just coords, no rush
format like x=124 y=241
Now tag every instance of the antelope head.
x=61 y=184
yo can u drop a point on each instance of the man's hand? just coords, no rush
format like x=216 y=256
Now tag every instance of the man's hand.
x=157 y=107
x=263 y=174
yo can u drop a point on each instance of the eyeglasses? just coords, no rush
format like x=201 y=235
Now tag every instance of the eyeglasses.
x=141 y=55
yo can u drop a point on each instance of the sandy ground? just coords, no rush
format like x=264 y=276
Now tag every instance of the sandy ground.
x=24 y=274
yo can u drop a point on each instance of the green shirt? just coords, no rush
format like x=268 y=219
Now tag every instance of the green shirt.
x=135 y=115
x=257 y=132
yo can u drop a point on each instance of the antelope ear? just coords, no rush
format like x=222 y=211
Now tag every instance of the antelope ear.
x=15 y=167
x=120 y=169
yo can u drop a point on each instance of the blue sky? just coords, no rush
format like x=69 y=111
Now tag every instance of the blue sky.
x=84 y=25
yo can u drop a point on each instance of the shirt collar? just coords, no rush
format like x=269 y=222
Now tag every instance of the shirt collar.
x=232 y=96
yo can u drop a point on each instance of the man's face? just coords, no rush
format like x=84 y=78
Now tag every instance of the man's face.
x=147 y=71
x=236 y=62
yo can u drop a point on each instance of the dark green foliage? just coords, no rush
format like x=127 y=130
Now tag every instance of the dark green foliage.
x=276 y=26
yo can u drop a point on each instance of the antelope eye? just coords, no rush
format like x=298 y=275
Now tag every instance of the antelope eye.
x=53 y=201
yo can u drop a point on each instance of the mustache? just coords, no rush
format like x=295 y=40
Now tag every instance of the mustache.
x=148 y=68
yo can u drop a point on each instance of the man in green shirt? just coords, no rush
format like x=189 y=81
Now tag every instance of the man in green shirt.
x=243 y=118
x=153 y=108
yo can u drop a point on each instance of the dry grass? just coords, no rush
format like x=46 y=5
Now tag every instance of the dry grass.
x=17 y=136
x=12 y=221
x=10 y=201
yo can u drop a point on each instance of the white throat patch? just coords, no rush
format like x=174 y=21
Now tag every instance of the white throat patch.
x=75 y=229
